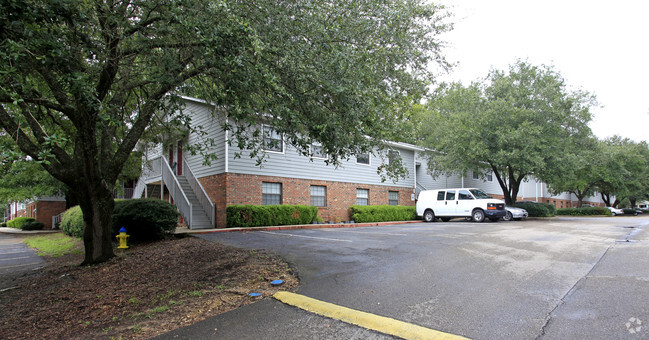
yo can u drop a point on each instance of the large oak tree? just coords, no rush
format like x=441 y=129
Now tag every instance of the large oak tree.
x=82 y=80
x=514 y=124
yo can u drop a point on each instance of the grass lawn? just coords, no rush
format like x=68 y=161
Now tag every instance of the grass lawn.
x=54 y=245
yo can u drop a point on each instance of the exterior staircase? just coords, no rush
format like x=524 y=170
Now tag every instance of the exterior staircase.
x=188 y=195
x=200 y=218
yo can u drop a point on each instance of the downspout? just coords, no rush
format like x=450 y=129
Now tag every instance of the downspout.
x=227 y=148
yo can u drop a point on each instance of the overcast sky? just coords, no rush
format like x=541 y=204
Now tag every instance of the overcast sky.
x=599 y=46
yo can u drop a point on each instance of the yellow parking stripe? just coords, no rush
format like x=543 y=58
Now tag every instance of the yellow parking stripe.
x=366 y=320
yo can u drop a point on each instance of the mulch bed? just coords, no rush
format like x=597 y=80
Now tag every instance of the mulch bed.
x=144 y=291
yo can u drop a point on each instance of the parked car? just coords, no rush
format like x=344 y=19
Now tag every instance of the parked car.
x=514 y=213
x=616 y=211
x=459 y=202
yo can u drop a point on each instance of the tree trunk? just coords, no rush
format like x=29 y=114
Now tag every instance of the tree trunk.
x=97 y=207
x=606 y=198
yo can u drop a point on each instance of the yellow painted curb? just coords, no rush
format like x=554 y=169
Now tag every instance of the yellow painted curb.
x=370 y=321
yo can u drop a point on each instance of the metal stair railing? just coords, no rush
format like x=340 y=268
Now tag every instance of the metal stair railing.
x=202 y=196
x=180 y=199
x=150 y=170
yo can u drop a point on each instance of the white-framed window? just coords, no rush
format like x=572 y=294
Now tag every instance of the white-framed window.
x=490 y=177
x=393 y=155
x=273 y=140
x=318 y=196
x=271 y=193
x=393 y=198
x=476 y=175
x=363 y=158
x=363 y=196
x=317 y=151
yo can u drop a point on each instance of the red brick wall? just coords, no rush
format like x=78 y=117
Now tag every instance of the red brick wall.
x=231 y=188
x=45 y=210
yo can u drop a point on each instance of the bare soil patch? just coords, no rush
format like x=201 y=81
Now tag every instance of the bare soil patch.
x=144 y=291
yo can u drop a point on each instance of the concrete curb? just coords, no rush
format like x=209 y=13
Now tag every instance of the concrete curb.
x=291 y=227
x=8 y=230
x=363 y=319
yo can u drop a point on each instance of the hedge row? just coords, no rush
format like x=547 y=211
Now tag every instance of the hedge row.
x=144 y=219
x=382 y=213
x=587 y=211
x=246 y=216
x=18 y=222
x=538 y=209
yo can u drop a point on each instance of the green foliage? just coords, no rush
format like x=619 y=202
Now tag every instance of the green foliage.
x=33 y=225
x=19 y=221
x=246 y=216
x=53 y=245
x=72 y=222
x=514 y=124
x=82 y=81
x=382 y=213
x=622 y=171
x=538 y=209
x=628 y=211
x=145 y=219
x=587 y=211
x=23 y=179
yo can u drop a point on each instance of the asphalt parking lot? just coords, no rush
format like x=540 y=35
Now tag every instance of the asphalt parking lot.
x=16 y=259
x=565 y=278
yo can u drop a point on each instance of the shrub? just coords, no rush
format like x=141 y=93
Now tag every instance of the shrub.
x=382 y=213
x=246 y=216
x=33 y=225
x=18 y=222
x=145 y=219
x=628 y=211
x=538 y=209
x=587 y=211
x=72 y=222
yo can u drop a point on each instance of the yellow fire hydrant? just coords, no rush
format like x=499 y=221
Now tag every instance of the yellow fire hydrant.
x=122 y=237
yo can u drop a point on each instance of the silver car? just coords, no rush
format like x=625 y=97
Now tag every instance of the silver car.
x=514 y=213
x=615 y=211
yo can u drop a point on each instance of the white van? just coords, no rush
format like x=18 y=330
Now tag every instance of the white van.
x=459 y=202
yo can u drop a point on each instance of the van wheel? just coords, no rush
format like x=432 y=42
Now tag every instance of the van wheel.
x=477 y=215
x=429 y=216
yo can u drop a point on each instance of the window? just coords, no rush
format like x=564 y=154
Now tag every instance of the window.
x=317 y=151
x=490 y=178
x=318 y=196
x=363 y=196
x=450 y=195
x=363 y=158
x=440 y=195
x=465 y=195
x=393 y=198
x=393 y=156
x=476 y=175
x=271 y=193
x=272 y=140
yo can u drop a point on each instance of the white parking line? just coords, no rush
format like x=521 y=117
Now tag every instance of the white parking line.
x=362 y=232
x=21 y=265
x=312 y=237
x=17 y=258
x=15 y=252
